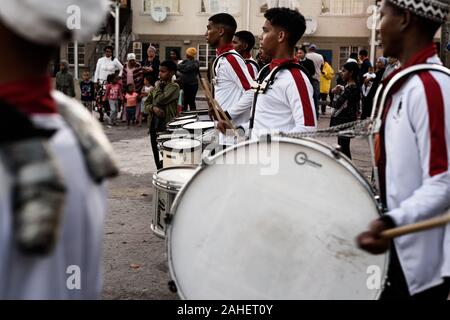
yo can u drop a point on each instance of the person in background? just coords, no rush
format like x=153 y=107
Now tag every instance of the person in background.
x=131 y=98
x=113 y=96
x=145 y=92
x=305 y=62
x=392 y=66
x=243 y=43
x=365 y=64
x=326 y=77
x=87 y=89
x=189 y=70
x=133 y=74
x=150 y=66
x=161 y=105
x=347 y=105
x=107 y=65
x=64 y=80
x=318 y=63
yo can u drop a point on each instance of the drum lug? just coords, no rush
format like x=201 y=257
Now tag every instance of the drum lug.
x=168 y=219
x=172 y=287
x=336 y=152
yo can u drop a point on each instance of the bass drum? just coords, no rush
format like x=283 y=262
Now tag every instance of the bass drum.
x=274 y=221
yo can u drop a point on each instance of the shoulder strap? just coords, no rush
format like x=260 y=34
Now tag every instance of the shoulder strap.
x=252 y=62
x=266 y=79
x=223 y=55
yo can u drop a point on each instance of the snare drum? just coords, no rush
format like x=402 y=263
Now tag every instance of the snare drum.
x=167 y=183
x=181 y=152
x=199 y=127
x=178 y=124
x=274 y=221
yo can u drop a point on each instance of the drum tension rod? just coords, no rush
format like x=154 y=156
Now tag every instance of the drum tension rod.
x=172 y=287
x=168 y=219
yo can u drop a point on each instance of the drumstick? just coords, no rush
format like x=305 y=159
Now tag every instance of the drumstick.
x=417 y=227
x=209 y=97
x=220 y=114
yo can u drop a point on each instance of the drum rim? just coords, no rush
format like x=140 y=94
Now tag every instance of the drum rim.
x=198 y=129
x=176 y=150
x=188 y=121
x=196 y=112
x=170 y=186
x=343 y=161
x=186 y=117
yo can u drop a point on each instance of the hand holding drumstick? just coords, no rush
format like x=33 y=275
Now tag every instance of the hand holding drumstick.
x=378 y=239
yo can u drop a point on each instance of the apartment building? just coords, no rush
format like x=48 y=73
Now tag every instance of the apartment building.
x=337 y=27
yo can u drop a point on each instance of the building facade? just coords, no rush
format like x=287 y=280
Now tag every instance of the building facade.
x=337 y=27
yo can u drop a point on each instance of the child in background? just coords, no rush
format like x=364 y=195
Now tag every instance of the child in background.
x=87 y=89
x=144 y=95
x=131 y=103
x=114 y=97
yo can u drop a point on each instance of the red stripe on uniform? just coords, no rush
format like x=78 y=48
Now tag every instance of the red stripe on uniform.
x=308 y=112
x=436 y=114
x=237 y=68
x=251 y=70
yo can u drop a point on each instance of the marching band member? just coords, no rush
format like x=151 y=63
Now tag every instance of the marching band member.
x=53 y=159
x=413 y=157
x=243 y=43
x=288 y=104
x=232 y=82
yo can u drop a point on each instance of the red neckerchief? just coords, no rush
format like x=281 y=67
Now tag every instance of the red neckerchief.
x=30 y=96
x=247 y=56
x=279 y=62
x=380 y=149
x=224 y=49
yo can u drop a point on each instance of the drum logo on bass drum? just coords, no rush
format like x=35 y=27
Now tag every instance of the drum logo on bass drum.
x=302 y=159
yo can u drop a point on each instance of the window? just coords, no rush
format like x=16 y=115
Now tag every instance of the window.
x=264 y=5
x=343 y=7
x=219 y=6
x=71 y=54
x=172 y=6
x=206 y=55
x=344 y=54
x=137 y=50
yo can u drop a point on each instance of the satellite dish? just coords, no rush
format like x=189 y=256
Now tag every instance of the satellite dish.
x=311 y=26
x=159 y=14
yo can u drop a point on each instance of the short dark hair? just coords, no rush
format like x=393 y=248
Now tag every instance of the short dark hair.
x=248 y=38
x=354 y=69
x=170 y=65
x=108 y=48
x=303 y=48
x=354 y=55
x=227 y=21
x=363 y=53
x=292 y=21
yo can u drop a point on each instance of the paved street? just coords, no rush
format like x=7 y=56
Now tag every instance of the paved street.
x=135 y=262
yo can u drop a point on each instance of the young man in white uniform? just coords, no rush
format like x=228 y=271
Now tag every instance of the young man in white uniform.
x=52 y=201
x=232 y=82
x=288 y=104
x=414 y=155
x=243 y=43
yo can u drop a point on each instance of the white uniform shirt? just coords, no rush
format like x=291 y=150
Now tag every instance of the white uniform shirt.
x=251 y=68
x=318 y=63
x=80 y=241
x=287 y=106
x=105 y=67
x=417 y=174
x=232 y=86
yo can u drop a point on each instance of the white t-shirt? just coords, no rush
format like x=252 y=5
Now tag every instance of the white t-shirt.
x=318 y=63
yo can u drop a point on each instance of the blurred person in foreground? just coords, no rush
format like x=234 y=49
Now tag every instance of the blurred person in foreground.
x=54 y=158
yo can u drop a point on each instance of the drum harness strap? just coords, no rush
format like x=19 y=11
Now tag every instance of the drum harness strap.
x=213 y=74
